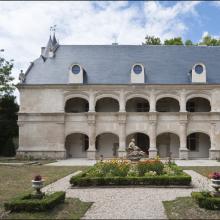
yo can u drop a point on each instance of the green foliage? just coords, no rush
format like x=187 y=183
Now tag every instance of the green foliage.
x=8 y=125
x=188 y=43
x=174 y=41
x=162 y=180
x=29 y=204
x=206 y=200
x=151 y=40
x=147 y=166
x=210 y=41
x=5 y=77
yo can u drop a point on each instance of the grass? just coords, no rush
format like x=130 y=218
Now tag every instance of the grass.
x=186 y=208
x=203 y=170
x=16 y=180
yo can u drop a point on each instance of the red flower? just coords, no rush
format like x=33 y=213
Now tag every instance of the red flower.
x=38 y=178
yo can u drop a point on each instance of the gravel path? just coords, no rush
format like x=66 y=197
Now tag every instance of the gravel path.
x=127 y=203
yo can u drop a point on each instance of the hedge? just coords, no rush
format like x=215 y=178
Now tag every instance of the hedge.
x=28 y=203
x=161 y=180
x=206 y=200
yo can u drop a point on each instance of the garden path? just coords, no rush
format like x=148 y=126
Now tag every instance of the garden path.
x=127 y=203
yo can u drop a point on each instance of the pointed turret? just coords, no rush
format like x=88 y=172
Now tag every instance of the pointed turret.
x=49 y=50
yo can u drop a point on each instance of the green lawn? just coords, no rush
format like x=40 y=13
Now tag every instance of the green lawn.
x=205 y=171
x=17 y=180
x=186 y=208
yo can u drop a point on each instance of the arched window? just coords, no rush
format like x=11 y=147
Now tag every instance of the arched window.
x=198 y=105
x=137 y=105
x=76 y=105
x=167 y=105
x=107 y=105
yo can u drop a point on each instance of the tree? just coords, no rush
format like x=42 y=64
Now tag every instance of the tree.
x=188 y=43
x=174 y=41
x=151 y=40
x=8 y=110
x=209 y=41
x=8 y=125
x=6 y=86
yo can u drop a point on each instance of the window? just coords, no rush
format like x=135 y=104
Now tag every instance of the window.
x=191 y=107
x=198 y=69
x=192 y=142
x=142 y=107
x=137 y=69
x=75 y=69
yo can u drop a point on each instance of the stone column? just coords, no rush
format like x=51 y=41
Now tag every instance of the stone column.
x=122 y=135
x=153 y=147
x=213 y=152
x=183 y=151
x=152 y=101
x=122 y=101
x=91 y=152
x=183 y=101
x=91 y=102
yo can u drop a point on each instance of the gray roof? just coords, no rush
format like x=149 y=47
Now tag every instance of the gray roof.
x=111 y=64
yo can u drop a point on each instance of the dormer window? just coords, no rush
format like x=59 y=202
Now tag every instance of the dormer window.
x=137 y=73
x=199 y=73
x=75 y=74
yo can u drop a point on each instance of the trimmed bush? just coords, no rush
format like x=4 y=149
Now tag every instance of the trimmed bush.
x=162 y=180
x=206 y=200
x=29 y=204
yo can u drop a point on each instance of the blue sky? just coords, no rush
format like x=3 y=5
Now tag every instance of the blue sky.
x=24 y=26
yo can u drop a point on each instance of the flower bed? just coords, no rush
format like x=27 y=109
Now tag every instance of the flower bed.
x=29 y=203
x=123 y=172
x=206 y=200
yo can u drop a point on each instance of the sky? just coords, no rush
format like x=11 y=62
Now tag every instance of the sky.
x=25 y=25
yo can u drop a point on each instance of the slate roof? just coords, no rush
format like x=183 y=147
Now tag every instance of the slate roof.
x=111 y=64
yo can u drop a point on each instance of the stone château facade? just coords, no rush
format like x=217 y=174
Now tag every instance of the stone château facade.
x=83 y=101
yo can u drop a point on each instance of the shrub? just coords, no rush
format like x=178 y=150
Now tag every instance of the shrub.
x=28 y=203
x=81 y=180
x=206 y=200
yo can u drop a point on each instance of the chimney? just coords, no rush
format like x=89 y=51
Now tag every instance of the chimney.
x=42 y=50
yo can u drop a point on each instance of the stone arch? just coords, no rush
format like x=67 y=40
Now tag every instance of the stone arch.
x=107 y=144
x=76 y=105
x=142 y=140
x=204 y=95
x=168 y=144
x=76 y=145
x=167 y=104
x=107 y=104
x=198 y=104
x=136 y=95
x=167 y=95
x=198 y=144
x=137 y=104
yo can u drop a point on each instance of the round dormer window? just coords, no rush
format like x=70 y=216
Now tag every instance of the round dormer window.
x=198 y=69
x=137 y=69
x=75 y=69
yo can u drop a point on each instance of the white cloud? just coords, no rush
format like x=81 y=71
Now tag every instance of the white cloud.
x=24 y=26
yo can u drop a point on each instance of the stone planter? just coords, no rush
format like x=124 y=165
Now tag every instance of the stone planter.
x=37 y=184
x=216 y=185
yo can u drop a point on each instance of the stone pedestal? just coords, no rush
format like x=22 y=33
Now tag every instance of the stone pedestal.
x=214 y=154
x=91 y=155
x=122 y=154
x=152 y=153
x=184 y=154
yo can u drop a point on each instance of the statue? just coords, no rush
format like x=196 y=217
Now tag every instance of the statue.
x=22 y=76
x=134 y=153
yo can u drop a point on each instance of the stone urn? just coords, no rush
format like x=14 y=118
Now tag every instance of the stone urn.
x=216 y=185
x=37 y=184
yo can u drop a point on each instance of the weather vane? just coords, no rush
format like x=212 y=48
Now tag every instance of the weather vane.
x=53 y=29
